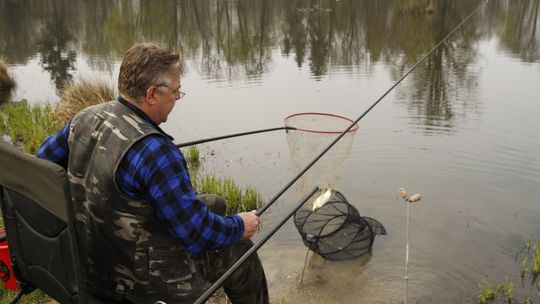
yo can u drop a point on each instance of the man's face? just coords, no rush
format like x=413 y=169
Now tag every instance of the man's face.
x=166 y=97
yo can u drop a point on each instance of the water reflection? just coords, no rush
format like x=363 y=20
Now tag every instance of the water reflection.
x=447 y=79
x=55 y=55
x=232 y=39
x=519 y=28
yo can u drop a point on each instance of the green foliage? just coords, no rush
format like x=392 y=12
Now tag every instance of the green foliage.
x=506 y=291
x=34 y=297
x=487 y=294
x=529 y=257
x=238 y=200
x=192 y=156
x=535 y=271
x=28 y=125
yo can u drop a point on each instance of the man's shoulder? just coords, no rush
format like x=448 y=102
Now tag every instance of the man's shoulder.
x=156 y=142
x=93 y=110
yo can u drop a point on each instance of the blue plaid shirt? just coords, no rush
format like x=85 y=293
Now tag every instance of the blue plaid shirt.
x=155 y=169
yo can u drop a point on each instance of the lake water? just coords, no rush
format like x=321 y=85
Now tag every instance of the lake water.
x=462 y=129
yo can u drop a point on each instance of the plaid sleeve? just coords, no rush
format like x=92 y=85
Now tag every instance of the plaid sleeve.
x=56 y=148
x=155 y=169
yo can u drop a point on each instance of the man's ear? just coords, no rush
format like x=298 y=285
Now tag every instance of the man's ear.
x=149 y=98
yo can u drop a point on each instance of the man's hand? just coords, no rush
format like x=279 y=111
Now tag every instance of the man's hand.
x=251 y=221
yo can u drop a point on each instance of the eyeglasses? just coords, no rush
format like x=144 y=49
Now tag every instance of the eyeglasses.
x=177 y=93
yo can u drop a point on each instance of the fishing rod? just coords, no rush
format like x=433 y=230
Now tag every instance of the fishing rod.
x=214 y=287
x=200 y=141
x=252 y=250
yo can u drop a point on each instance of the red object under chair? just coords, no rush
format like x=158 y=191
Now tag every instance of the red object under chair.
x=6 y=273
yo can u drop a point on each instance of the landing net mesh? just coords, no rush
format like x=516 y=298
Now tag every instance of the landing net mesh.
x=336 y=231
x=313 y=132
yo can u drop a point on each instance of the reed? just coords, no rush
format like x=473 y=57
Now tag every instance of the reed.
x=238 y=199
x=192 y=156
x=535 y=271
x=523 y=268
x=82 y=93
x=506 y=291
x=487 y=294
x=251 y=199
x=529 y=257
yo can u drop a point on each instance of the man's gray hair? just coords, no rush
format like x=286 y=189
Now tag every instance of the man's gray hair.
x=144 y=65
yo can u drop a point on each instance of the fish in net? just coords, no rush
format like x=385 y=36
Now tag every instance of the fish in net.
x=334 y=229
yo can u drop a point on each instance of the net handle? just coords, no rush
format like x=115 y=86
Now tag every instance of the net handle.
x=350 y=121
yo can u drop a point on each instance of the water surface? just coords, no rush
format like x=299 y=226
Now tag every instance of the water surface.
x=462 y=129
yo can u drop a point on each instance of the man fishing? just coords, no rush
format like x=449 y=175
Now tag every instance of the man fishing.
x=144 y=234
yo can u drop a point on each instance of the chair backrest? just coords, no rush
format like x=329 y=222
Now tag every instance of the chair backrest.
x=38 y=217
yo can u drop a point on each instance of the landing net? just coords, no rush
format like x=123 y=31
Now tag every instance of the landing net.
x=312 y=132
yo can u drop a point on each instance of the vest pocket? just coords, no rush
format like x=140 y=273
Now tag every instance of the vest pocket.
x=173 y=273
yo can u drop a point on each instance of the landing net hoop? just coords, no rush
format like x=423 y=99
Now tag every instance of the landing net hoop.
x=321 y=123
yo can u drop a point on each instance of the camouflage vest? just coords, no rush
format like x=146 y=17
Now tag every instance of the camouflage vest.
x=126 y=252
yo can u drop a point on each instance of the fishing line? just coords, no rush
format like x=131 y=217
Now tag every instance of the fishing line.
x=260 y=211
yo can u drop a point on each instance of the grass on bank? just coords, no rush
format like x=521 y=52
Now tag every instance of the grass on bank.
x=27 y=125
x=34 y=297
x=238 y=199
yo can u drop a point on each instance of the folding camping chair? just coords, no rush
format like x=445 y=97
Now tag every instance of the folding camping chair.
x=37 y=210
